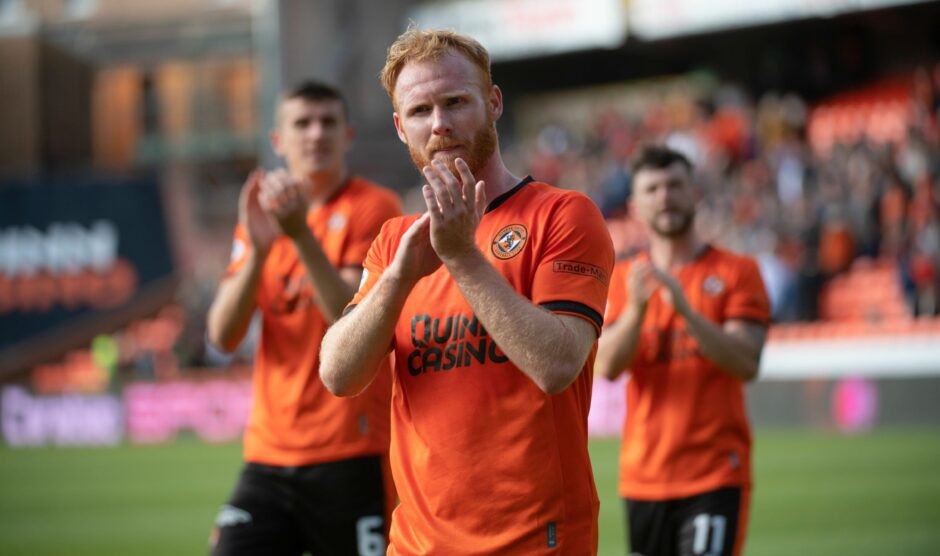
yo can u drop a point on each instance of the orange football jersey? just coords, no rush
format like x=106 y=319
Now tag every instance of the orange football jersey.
x=686 y=429
x=294 y=419
x=484 y=461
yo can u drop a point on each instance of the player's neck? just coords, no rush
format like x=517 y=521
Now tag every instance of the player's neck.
x=496 y=176
x=323 y=185
x=673 y=252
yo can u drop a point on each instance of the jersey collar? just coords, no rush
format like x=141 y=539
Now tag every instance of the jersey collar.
x=505 y=196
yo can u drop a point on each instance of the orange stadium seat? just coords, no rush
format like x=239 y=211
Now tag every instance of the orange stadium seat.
x=869 y=291
x=865 y=301
x=879 y=112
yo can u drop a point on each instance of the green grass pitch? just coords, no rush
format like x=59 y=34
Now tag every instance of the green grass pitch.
x=816 y=493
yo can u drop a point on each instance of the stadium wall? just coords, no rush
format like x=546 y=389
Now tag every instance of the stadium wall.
x=216 y=409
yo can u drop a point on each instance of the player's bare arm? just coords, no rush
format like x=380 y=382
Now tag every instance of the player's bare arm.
x=354 y=345
x=734 y=347
x=618 y=344
x=285 y=198
x=234 y=303
x=550 y=349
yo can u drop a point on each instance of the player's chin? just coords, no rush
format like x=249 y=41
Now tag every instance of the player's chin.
x=320 y=160
x=671 y=225
x=449 y=159
x=320 y=167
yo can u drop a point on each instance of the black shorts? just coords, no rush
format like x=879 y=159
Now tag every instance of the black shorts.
x=325 y=509
x=708 y=524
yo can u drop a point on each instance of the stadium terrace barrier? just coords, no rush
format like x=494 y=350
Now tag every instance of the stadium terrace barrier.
x=875 y=357
x=904 y=348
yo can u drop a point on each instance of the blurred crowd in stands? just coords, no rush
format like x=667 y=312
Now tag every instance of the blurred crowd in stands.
x=807 y=190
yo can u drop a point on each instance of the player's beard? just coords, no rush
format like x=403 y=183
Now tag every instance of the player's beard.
x=478 y=154
x=678 y=230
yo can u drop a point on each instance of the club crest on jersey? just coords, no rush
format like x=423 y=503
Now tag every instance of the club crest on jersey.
x=336 y=222
x=713 y=285
x=509 y=241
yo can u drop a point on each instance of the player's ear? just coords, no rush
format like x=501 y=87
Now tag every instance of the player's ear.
x=698 y=192
x=275 y=138
x=495 y=102
x=401 y=134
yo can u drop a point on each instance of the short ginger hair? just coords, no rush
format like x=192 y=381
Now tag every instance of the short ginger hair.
x=418 y=45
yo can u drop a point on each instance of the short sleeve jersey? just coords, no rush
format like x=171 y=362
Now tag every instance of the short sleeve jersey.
x=484 y=461
x=294 y=420
x=686 y=430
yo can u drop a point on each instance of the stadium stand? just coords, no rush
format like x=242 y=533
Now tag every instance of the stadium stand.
x=836 y=199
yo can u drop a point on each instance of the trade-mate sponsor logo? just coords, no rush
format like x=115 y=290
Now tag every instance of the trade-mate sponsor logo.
x=581 y=268
x=452 y=342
